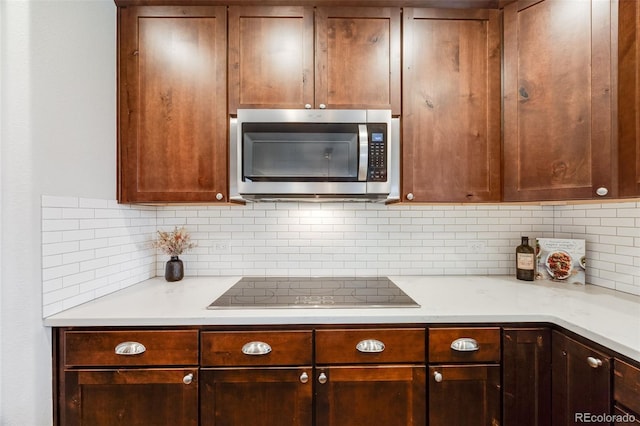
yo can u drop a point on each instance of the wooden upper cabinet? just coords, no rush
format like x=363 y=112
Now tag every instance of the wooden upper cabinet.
x=629 y=97
x=287 y=57
x=451 y=105
x=358 y=58
x=172 y=136
x=270 y=57
x=558 y=97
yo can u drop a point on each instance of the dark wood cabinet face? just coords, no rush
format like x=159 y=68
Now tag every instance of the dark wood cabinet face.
x=256 y=396
x=270 y=57
x=629 y=97
x=451 y=105
x=358 y=58
x=136 y=397
x=557 y=100
x=580 y=386
x=390 y=395
x=172 y=104
x=526 y=377
x=291 y=57
x=464 y=395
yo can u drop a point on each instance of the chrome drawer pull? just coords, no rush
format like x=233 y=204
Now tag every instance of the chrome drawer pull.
x=370 y=346
x=256 y=348
x=465 y=344
x=130 y=348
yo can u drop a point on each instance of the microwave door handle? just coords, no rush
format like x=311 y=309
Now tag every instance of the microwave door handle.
x=363 y=163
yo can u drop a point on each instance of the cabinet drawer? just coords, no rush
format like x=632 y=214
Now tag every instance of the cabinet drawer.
x=626 y=385
x=98 y=348
x=338 y=346
x=262 y=348
x=487 y=339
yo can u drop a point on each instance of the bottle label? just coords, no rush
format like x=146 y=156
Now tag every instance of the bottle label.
x=525 y=261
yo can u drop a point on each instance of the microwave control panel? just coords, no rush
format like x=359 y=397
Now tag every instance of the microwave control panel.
x=377 y=168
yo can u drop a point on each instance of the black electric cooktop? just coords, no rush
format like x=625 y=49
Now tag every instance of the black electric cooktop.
x=313 y=292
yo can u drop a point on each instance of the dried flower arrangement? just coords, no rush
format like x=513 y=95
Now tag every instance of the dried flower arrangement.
x=175 y=242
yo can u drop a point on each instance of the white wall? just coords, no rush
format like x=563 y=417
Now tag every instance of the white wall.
x=58 y=137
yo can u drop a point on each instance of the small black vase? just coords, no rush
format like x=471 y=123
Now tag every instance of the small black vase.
x=174 y=270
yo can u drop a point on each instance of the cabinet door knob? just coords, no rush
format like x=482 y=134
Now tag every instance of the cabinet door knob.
x=130 y=348
x=219 y=196
x=188 y=379
x=602 y=191
x=410 y=196
x=304 y=377
x=322 y=378
x=322 y=106
x=437 y=376
x=307 y=106
x=594 y=362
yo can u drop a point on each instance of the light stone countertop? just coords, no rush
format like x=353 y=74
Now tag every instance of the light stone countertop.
x=605 y=316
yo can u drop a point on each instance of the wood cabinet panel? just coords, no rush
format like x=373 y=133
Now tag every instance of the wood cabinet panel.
x=465 y=395
x=222 y=348
x=338 y=346
x=451 y=105
x=97 y=348
x=625 y=417
x=626 y=385
x=273 y=396
x=526 y=377
x=557 y=100
x=487 y=338
x=358 y=58
x=172 y=129
x=578 y=386
x=629 y=97
x=137 y=397
x=390 y=395
x=270 y=57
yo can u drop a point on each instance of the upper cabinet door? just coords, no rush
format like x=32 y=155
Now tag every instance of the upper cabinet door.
x=172 y=125
x=558 y=100
x=358 y=58
x=629 y=97
x=270 y=57
x=451 y=105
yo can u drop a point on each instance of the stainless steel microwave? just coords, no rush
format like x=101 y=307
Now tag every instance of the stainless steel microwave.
x=314 y=155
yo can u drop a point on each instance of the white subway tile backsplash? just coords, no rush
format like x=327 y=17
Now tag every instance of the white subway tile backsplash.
x=92 y=247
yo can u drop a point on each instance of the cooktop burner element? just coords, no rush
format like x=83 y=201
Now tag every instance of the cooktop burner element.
x=314 y=292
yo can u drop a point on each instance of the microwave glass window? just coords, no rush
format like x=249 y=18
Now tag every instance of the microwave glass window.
x=327 y=155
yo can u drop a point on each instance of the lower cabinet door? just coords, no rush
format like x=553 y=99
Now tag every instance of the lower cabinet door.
x=464 y=395
x=581 y=383
x=270 y=396
x=389 y=395
x=132 y=397
x=526 y=377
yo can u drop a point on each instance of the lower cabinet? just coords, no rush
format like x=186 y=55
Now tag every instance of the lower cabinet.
x=339 y=376
x=261 y=378
x=526 y=376
x=581 y=382
x=137 y=378
x=464 y=376
x=370 y=377
x=464 y=395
